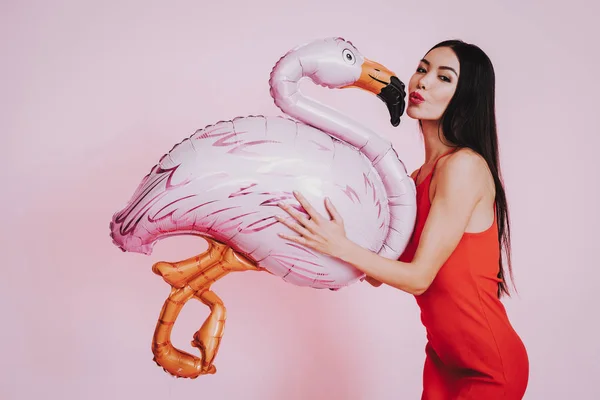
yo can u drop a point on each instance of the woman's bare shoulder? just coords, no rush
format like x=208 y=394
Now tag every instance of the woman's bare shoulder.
x=464 y=164
x=464 y=160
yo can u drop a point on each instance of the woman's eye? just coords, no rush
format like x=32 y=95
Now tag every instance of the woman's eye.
x=444 y=78
x=421 y=70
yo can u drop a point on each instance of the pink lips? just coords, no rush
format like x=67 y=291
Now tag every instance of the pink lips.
x=415 y=98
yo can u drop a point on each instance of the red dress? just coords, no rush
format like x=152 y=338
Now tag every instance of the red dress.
x=472 y=351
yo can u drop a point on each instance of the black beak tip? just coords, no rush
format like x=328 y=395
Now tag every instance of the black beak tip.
x=394 y=97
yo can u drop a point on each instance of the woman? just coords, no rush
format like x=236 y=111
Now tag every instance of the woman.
x=452 y=264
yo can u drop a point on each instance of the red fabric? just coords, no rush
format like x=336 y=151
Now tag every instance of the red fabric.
x=472 y=350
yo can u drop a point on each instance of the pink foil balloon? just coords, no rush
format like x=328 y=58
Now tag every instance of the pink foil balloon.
x=224 y=182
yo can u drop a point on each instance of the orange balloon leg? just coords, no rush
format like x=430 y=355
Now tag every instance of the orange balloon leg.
x=193 y=278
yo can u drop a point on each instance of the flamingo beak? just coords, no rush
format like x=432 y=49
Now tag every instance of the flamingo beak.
x=382 y=82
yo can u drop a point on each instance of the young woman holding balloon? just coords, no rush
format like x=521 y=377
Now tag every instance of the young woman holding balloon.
x=453 y=264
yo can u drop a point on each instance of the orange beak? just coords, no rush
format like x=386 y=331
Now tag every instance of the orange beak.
x=373 y=77
x=382 y=82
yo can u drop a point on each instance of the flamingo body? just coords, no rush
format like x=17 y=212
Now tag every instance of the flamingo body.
x=225 y=181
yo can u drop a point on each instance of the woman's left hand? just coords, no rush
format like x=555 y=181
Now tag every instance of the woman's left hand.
x=325 y=235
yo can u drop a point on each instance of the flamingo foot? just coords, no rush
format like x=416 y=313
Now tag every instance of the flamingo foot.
x=193 y=278
x=208 y=338
x=174 y=361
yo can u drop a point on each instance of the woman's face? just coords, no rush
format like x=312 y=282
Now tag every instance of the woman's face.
x=433 y=84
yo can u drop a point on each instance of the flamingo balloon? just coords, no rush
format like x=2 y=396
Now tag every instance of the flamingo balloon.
x=225 y=181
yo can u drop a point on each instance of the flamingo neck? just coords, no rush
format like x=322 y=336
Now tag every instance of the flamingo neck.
x=285 y=90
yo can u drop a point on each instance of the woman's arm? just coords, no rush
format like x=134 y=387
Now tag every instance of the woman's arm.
x=460 y=182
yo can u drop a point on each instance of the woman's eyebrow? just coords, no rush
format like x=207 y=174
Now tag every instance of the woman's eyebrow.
x=424 y=61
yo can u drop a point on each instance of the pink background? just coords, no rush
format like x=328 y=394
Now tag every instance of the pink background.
x=94 y=93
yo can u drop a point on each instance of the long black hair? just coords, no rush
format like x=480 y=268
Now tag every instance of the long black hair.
x=470 y=121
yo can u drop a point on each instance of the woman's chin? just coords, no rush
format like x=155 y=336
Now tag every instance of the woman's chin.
x=413 y=113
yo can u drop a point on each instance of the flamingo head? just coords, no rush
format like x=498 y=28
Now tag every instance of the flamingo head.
x=336 y=63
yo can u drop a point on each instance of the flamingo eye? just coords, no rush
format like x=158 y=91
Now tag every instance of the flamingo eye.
x=349 y=57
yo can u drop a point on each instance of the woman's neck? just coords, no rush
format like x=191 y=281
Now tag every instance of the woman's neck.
x=432 y=136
